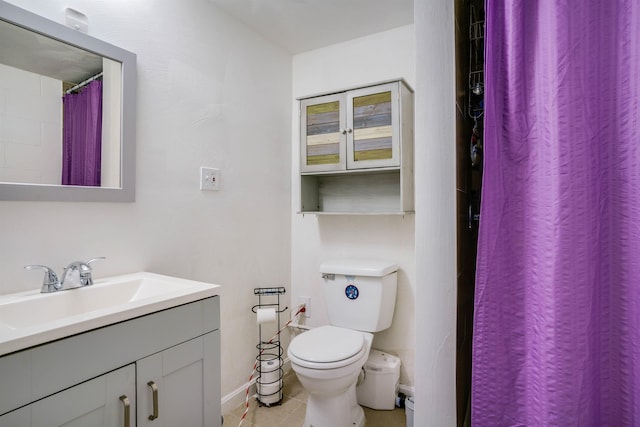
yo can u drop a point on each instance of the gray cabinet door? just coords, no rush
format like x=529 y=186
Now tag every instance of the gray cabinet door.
x=186 y=382
x=19 y=417
x=99 y=402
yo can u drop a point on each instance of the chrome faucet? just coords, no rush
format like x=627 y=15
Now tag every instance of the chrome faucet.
x=50 y=282
x=75 y=275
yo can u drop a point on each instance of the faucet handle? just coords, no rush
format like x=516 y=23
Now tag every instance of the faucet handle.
x=50 y=282
x=82 y=266
x=82 y=270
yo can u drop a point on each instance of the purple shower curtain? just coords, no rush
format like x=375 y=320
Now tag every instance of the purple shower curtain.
x=557 y=310
x=82 y=136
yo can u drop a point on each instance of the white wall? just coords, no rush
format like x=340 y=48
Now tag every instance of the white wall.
x=30 y=138
x=435 y=400
x=358 y=62
x=212 y=93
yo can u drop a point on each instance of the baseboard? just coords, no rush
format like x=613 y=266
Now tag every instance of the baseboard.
x=237 y=397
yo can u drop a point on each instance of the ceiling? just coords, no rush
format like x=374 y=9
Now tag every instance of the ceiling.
x=46 y=56
x=302 y=25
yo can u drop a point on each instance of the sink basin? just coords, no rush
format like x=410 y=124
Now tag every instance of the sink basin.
x=31 y=318
x=43 y=308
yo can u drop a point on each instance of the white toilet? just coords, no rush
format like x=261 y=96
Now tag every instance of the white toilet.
x=360 y=297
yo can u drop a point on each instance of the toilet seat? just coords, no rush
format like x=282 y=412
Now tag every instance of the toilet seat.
x=327 y=347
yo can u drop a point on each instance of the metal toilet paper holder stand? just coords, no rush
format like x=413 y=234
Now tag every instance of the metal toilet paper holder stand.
x=269 y=359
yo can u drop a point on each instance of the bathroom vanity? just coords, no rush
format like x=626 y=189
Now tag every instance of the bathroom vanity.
x=152 y=359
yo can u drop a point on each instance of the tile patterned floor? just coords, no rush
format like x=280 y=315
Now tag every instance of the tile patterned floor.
x=291 y=412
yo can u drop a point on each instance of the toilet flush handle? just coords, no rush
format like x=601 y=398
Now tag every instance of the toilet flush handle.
x=328 y=276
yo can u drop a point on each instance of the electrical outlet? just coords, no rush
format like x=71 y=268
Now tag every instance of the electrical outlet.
x=209 y=178
x=307 y=306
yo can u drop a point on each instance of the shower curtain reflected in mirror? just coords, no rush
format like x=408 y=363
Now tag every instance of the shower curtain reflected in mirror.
x=557 y=311
x=82 y=136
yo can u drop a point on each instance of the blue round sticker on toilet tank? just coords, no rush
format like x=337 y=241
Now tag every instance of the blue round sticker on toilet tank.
x=351 y=292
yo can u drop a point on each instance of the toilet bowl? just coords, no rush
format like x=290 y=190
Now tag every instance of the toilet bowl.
x=360 y=298
x=328 y=361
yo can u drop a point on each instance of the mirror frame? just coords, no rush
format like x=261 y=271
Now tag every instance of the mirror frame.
x=44 y=192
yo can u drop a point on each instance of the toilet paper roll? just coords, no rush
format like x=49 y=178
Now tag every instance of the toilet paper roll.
x=266 y=315
x=269 y=393
x=269 y=371
x=269 y=382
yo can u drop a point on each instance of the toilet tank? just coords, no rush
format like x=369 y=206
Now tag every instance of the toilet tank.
x=360 y=294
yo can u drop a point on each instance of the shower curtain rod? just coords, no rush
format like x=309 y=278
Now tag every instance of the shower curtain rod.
x=84 y=83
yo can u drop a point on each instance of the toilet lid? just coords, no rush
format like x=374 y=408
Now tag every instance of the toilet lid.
x=327 y=344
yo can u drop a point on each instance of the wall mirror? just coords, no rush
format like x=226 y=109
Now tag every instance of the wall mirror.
x=67 y=113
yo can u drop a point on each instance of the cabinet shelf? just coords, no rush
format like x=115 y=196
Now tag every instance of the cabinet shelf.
x=364 y=192
x=352 y=172
x=324 y=213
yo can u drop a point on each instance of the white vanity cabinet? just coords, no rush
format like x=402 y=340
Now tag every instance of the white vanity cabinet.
x=96 y=377
x=356 y=151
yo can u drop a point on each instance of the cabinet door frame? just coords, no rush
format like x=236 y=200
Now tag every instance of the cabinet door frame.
x=202 y=351
x=394 y=161
x=340 y=136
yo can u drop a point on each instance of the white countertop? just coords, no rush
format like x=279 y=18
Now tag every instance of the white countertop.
x=31 y=318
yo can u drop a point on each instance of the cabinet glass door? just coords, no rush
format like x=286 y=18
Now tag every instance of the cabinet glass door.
x=373 y=116
x=323 y=130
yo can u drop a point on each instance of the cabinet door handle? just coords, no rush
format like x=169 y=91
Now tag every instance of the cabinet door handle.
x=154 y=391
x=127 y=410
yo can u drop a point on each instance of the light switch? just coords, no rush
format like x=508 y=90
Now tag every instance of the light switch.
x=209 y=178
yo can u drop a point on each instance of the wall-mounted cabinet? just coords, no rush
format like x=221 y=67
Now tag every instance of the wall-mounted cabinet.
x=356 y=151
